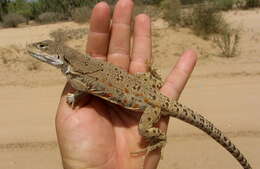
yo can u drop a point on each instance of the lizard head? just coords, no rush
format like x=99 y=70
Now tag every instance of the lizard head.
x=46 y=51
x=58 y=55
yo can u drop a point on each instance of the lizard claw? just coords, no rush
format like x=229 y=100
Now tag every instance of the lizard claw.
x=74 y=98
x=142 y=152
x=71 y=99
x=159 y=145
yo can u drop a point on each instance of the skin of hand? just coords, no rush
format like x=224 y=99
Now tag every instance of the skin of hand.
x=96 y=134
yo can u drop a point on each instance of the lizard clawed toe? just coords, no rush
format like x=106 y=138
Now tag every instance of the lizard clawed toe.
x=71 y=99
x=141 y=152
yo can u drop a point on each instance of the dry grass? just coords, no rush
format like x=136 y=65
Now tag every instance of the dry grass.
x=207 y=20
x=228 y=42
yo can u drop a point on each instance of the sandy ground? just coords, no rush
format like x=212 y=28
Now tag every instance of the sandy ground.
x=227 y=91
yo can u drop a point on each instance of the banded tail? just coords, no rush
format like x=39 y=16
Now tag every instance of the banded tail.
x=189 y=116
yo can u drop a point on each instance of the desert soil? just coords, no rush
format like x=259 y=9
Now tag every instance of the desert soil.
x=226 y=90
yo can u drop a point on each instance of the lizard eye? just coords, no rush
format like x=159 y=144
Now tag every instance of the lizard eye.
x=42 y=46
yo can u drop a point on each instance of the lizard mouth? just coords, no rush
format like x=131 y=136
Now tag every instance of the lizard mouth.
x=52 y=60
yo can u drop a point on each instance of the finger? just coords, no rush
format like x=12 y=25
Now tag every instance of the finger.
x=179 y=75
x=120 y=36
x=98 y=37
x=172 y=88
x=142 y=45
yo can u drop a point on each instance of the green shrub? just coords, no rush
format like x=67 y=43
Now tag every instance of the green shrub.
x=172 y=11
x=81 y=15
x=225 y=4
x=49 y=17
x=188 y=2
x=228 y=42
x=207 y=20
x=12 y=20
x=252 y=3
x=149 y=2
x=21 y=7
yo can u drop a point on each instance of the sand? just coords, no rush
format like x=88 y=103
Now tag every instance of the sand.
x=226 y=90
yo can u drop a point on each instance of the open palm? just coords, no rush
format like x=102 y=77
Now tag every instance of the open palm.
x=97 y=134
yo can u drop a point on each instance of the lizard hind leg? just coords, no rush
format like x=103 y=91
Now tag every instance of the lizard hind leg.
x=152 y=78
x=155 y=73
x=146 y=128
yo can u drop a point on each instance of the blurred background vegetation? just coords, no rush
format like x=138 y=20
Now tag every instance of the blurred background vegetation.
x=203 y=17
x=13 y=12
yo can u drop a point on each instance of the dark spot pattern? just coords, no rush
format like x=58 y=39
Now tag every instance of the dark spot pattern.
x=199 y=121
x=166 y=104
x=119 y=77
x=137 y=87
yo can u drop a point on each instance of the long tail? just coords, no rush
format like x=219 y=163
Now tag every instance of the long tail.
x=189 y=116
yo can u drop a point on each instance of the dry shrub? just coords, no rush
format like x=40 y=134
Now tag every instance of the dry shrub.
x=81 y=15
x=59 y=35
x=12 y=20
x=245 y=4
x=32 y=64
x=228 y=42
x=150 y=10
x=186 y=19
x=240 y=4
x=62 y=35
x=207 y=20
x=15 y=58
x=172 y=11
x=49 y=17
x=4 y=59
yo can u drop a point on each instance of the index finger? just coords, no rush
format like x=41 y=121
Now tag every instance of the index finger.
x=98 y=37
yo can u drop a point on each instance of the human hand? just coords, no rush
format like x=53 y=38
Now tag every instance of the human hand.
x=100 y=136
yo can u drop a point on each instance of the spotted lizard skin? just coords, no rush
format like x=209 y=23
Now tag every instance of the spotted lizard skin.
x=134 y=92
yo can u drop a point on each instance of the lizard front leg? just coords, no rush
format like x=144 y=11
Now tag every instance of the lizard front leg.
x=146 y=127
x=73 y=98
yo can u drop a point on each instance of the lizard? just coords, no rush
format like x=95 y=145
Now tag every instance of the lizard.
x=139 y=92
